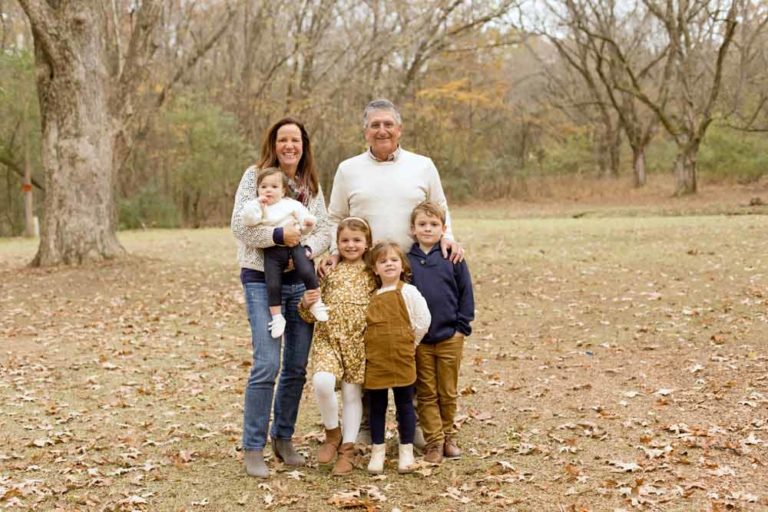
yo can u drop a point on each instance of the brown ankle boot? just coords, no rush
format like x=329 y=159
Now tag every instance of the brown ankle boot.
x=327 y=451
x=451 y=450
x=254 y=463
x=433 y=453
x=286 y=453
x=343 y=464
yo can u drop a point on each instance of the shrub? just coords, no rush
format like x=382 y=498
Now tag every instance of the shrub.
x=148 y=209
x=731 y=154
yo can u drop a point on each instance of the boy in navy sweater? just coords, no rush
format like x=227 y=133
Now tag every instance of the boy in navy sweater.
x=448 y=290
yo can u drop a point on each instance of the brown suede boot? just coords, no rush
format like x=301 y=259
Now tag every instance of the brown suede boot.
x=327 y=451
x=343 y=464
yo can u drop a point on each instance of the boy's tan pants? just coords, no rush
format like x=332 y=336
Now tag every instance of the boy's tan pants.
x=437 y=378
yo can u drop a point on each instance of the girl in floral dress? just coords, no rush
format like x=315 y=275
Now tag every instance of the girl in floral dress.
x=338 y=350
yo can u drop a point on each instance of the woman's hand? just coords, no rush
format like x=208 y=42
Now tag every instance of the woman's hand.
x=310 y=297
x=291 y=236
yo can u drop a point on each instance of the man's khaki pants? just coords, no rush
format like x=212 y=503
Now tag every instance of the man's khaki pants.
x=437 y=378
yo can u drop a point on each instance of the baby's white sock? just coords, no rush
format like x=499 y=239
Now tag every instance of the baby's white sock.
x=277 y=325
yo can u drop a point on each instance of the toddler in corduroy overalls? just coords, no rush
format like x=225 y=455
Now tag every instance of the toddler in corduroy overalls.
x=397 y=319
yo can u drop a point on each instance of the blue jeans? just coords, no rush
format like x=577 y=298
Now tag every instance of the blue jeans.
x=266 y=365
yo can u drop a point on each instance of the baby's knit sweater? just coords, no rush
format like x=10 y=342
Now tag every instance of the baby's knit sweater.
x=252 y=240
x=285 y=212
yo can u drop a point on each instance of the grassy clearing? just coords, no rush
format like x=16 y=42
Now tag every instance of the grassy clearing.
x=583 y=196
x=617 y=363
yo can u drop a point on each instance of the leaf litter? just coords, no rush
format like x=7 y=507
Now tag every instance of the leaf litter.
x=606 y=373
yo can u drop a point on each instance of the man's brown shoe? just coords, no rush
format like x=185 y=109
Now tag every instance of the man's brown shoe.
x=433 y=453
x=450 y=449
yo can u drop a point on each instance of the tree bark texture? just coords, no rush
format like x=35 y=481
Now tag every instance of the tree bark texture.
x=638 y=166
x=607 y=149
x=614 y=152
x=73 y=88
x=685 y=170
x=29 y=216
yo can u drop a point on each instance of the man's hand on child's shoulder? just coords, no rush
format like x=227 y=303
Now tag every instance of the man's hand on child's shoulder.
x=327 y=265
x=451 y=250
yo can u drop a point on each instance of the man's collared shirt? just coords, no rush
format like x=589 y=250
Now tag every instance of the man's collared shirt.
x=391 y=158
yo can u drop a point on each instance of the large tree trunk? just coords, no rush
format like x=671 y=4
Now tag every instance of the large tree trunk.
x=78 y=134
x=601 y=158
x=91 y=116
x=607 y=152
x=524 y=139
x=685 y=170
x=29 y=216
x=614 y=152
x=638 y=166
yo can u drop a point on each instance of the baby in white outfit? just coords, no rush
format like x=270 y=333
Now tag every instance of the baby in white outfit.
x=274 y=209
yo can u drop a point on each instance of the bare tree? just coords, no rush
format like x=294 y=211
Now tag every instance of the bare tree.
x=584 y=93
x=89 y=107
x=747 y=75
x=437 y=26
x=678 y=80
x=698 y=36
x=695 y=31
x=601 y=30
x=3 y=28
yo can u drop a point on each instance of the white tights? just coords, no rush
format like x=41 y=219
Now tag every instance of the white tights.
x=352 y=403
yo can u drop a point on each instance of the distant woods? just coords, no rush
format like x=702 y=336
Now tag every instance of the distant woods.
x=494 y=91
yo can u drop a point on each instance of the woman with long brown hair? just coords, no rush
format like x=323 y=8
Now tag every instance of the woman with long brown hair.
x=286 y=146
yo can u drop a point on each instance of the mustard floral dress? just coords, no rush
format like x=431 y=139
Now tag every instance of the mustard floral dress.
x=337 y=345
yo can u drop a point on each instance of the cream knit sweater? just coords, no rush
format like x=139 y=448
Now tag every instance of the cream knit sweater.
x=385 y=193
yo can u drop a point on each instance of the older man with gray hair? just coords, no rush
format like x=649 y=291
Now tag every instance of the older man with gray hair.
x=385 y=183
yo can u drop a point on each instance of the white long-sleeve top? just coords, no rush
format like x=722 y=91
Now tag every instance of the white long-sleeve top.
x=385 y=193
x=418 y=311
x=285 y=212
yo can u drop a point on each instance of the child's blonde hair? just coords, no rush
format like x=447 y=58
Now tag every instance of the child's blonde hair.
x=356 y=224
x=430 y=209
x=383 y=247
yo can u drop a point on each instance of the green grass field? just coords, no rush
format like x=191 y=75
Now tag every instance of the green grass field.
x=618 y=363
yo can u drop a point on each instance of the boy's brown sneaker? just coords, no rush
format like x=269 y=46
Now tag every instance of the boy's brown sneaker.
x=450 y=449
x=433 y=453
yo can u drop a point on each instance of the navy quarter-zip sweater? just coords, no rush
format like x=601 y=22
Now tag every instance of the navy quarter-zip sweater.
x=448 y=290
